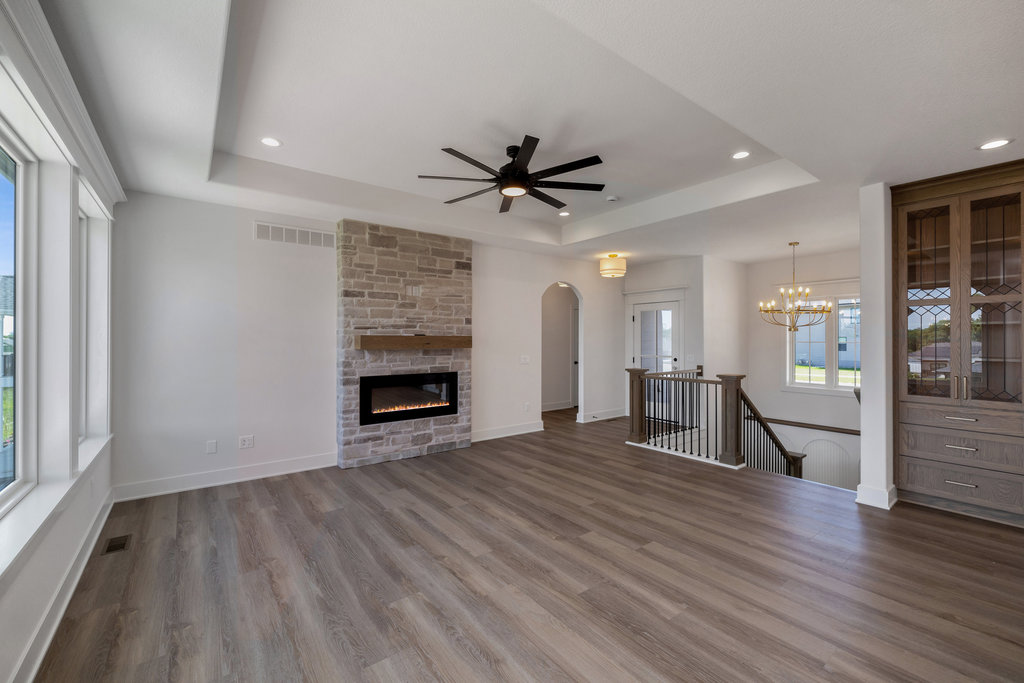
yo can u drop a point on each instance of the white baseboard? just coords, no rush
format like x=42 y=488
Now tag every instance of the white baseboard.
x=510 y=430
x=875 y=497
x=556 y=405
x=33 y=657
x=594 y=415
x=229 y=475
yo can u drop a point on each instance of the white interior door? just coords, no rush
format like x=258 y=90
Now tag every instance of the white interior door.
x=657 y=332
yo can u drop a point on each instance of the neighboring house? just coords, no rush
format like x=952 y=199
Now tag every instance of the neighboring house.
x=933 y=360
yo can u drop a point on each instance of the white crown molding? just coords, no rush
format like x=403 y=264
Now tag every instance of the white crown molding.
x=28 y=43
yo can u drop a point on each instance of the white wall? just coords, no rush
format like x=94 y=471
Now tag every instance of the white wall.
x=217 y=335
x=724 y=318
x=766 y=344
x=556 y=347
x=507 y=290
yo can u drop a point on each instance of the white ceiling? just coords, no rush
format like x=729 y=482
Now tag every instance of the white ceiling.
x=827 y=97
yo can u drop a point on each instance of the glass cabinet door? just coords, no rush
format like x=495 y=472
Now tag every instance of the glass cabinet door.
x=928 y=276
x=996 y=352
x=929 y=264
x=928 y=352
x=996 y=299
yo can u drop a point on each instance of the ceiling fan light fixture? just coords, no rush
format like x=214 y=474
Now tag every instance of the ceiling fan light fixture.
x=512 y=188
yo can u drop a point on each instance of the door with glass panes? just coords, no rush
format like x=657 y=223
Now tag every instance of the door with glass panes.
x=656 y=336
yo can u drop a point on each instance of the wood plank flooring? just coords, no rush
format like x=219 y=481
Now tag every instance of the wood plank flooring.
x=558 y=556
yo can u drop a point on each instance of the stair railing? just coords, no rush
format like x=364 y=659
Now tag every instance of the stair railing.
x=681 y=411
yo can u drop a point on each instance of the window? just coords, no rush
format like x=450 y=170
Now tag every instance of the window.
x=8 y=187
x=827 y=356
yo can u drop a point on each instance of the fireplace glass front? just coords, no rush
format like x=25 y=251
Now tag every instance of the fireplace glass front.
x=389 y=398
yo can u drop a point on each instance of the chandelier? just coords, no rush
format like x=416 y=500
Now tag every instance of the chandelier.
x=794 y=310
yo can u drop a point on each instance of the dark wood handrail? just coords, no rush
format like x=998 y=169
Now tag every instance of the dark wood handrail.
x=795 y=463
x=809 y=425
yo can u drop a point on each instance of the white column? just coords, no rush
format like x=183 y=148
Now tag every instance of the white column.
x=876 y=411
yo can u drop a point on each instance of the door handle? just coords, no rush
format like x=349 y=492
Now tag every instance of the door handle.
x=966 y=396
x=956 y=387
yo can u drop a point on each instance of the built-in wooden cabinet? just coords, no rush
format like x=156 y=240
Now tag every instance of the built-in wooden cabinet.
x=958 y=302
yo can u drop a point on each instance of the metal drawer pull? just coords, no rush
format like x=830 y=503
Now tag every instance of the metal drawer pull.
x=960 y=483
x=960 y=448
x=961 y=419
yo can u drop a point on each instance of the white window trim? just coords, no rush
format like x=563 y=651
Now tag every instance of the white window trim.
x=831 y=387
x=26 y=462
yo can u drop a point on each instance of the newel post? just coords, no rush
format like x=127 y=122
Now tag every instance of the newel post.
x=733 y=421
x=637 y=405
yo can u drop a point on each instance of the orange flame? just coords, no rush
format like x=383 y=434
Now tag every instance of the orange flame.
x=411 y=406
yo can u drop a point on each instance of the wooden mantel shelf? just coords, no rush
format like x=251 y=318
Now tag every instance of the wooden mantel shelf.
x=392 y=342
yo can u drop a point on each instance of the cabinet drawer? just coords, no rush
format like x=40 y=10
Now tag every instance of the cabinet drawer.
x=972 y=419
x=994 y=452
x=999 y=490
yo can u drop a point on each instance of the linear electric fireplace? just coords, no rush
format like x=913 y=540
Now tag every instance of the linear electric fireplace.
x=389 y=398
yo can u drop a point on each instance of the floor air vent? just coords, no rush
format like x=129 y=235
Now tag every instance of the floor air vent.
x=117 y=544
x=289 y=235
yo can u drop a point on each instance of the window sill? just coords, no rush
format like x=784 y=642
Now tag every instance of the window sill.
x=88 y=449
x=27 y=521
x=834 y=392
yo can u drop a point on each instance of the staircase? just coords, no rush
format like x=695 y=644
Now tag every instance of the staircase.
x=709 y=419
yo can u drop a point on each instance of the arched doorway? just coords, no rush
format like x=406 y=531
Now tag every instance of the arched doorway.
x=561 y=379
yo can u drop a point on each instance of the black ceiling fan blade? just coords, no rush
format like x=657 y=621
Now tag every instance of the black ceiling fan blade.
x=565 y=168
x=546 y=198
x=561 y=185
x=472 y=194
x=470 y=160
x=506 y=204
x=526 y=150
x=448 y=177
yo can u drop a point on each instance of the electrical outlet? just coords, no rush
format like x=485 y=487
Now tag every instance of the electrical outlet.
x=247 y=441
x=211 y=446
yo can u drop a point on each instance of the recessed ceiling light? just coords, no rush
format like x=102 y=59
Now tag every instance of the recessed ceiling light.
x=611 y=198
x=563 y=213
x=741 y=155
x=993 y=144
x=271 y=142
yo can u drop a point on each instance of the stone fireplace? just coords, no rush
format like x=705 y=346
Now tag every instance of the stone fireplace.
x=401 y=282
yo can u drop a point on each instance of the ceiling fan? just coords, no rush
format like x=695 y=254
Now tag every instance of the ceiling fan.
x=515 y=180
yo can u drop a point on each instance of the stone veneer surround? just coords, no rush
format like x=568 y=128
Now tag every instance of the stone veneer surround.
x=394 y=281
